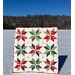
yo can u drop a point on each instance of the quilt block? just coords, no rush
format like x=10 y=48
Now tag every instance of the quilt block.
x=36 y=50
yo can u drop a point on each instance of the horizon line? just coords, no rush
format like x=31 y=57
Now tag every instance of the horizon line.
x=37 y=15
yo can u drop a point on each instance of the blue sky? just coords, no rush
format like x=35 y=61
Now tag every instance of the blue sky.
x=36 y=7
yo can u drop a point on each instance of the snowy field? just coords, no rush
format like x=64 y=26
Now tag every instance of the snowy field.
x=8 y=47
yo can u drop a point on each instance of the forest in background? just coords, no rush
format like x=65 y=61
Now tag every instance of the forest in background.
x=62 y=22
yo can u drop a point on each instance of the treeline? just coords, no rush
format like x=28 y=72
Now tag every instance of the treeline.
x=62 y=22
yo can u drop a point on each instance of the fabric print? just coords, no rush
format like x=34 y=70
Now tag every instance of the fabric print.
x=20 y=64
x=35 y=35
x=50 y=35
x=35 y=49
x=21 y=49
x=50 y=50
x=50 y=65
x=21 y=35
x=35 y=64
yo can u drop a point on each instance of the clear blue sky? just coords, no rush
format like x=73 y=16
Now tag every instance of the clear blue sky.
x=36 y=7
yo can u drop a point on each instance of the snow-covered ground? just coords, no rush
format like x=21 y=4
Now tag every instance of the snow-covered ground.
x=8 y=47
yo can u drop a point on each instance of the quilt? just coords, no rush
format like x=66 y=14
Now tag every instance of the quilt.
x=36 y=50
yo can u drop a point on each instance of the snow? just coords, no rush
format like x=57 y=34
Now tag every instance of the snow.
x=8 y=47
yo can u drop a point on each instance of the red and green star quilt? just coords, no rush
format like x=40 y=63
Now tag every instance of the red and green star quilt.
x=36 y=50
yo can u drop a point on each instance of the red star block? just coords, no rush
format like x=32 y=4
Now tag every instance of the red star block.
x=21 y=35
x=50 y=65
x=50 y=35
x=35 y=49
x=20 y=64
